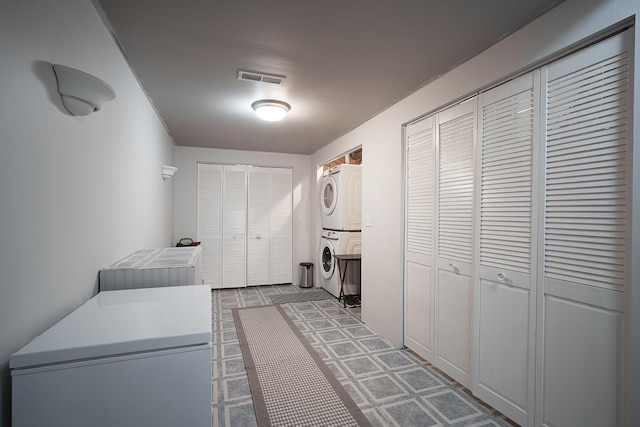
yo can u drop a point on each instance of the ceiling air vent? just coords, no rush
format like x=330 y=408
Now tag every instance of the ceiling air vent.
x=252 y=76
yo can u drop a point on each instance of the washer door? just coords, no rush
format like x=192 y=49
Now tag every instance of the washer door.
x=327 y=261
x=328 y=195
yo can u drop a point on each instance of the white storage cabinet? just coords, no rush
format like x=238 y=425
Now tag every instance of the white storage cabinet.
x=150 y=268
x=138 y=357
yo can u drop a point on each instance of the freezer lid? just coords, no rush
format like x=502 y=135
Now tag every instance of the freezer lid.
x=120 y=322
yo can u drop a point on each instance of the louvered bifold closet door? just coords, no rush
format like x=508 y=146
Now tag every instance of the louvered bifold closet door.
x=586 y=234
x=209 y=228
x=456 y=132
x=419 y=236
x=258 y=226
x=456 y=140
x=281 y=225
x=506 y=372
x=234 y=202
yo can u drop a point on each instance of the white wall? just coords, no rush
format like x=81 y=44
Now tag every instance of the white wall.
x=381 y=139
x=76 y=193
x=185 y=211
x=633 y=320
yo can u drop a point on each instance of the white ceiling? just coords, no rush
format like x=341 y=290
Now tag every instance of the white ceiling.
x=345 y=60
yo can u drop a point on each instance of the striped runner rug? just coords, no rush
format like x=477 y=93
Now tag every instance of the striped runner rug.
x=314 y=295
x=290 y=384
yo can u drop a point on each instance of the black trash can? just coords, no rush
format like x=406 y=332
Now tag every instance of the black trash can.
x=306 y=275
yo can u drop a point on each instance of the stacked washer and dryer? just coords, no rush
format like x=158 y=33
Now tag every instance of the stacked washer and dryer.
x=341 y=201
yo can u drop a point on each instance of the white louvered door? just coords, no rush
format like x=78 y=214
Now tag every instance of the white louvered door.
x=506 y=300
x=234 y=211
x=586 y=236
x=419 y=229
x=245 y=225
x=538 y=267
x=281 y=225
x=209 y=228
x=258 y=226
x=455 y=142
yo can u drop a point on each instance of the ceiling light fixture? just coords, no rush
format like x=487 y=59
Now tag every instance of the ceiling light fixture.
x=270 y=109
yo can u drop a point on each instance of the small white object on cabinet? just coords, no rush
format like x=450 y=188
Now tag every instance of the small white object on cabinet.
x=124 y=358
x=151 y=268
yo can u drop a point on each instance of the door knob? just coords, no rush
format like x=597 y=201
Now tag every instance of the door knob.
x=258 y=237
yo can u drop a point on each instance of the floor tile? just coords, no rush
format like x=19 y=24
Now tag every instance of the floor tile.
x=355 y=394
x=236 y=388
x=311 y=315
x=335 y=312
x=232 y=349
x=410 y=414
x=382 y=388
x=375 y=418
x=321 y=324
x=233 y=366
x=346 y=321
x=359 y=331
x=344 y=349
x=332 y=335
x=338 y=372
x=375 y=343
x=419 y=380
x=391 y=386
x=240 y=415
x=395 y=360
x=451 y=406
x=322 y=352
x=361 y=366
x=229 y=336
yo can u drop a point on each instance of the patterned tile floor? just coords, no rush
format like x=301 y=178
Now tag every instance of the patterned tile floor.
x=392 y=387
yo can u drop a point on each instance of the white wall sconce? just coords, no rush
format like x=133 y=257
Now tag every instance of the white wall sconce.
x=81 y=93
x=271 y=110
x=168 y=172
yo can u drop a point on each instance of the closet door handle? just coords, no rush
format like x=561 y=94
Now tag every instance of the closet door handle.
x=501 y=277
x=258 y=237
x=452 y=267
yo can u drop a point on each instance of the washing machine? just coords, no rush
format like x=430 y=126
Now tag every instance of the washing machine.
x=341 y=198
x=339 y=242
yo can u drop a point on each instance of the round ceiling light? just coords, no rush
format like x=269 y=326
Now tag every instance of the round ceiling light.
x=270 y=109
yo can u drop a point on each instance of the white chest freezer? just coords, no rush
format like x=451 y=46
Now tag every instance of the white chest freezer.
x=139 y=357
x=150 y=268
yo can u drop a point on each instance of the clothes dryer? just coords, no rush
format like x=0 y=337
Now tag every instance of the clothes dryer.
x=341 y=198
x=339 y=242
